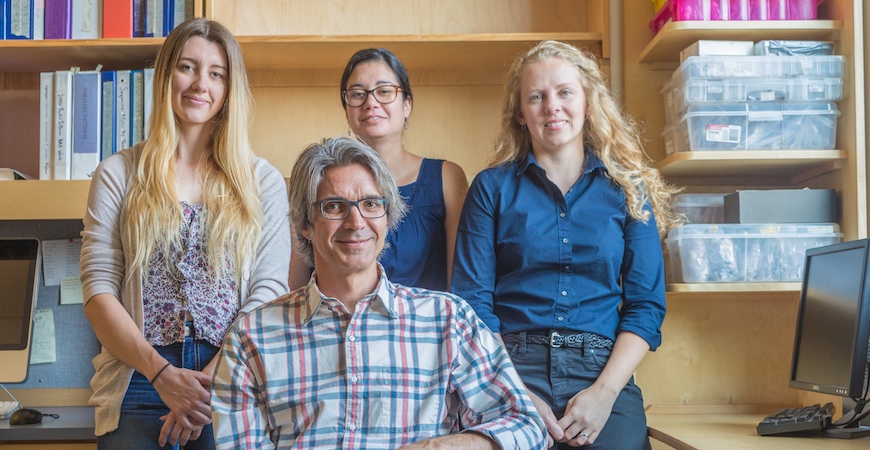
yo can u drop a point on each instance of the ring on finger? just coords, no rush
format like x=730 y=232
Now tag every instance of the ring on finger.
x=583 y=433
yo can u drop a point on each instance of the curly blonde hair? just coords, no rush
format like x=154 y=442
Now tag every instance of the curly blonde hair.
x=611 y=134
x=231 y=194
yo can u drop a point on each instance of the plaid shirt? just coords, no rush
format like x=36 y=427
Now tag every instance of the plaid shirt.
x=409 y=364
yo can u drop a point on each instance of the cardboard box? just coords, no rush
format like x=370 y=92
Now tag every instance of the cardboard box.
x=718 y=48
x=782 y=206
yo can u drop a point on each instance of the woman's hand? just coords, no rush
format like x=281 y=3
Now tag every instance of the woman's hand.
x=554 y=431
x=186 y=393
x=585 y=416
x=173 y=433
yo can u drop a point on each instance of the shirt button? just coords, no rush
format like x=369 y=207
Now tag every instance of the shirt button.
x=564 y=293
x=560 y=318
x=354 y=379
x=564 y=240
x=562 y=215
x=352 y=338
x=352 y=427
x=567 y=268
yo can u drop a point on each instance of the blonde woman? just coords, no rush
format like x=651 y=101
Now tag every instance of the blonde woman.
x=182 y=232
x=558 y=248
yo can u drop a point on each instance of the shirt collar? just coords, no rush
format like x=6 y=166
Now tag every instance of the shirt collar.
x=382 y=294
x=592 y=162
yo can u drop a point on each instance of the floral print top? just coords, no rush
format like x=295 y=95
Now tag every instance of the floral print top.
x=189 y=285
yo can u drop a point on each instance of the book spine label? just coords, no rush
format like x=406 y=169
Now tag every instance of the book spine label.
x=154 y=18
x=86 y=124
x=118 y=18
x=58 y=19
x=46 y=125
x=107 y=146
x=18 y=22
x=122 y=109
x=38 y=20
x=85 y=19
x=139 y=13
x=62 y=125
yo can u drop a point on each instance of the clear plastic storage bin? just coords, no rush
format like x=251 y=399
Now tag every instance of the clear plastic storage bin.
x=701 y=208
x=735 y=253
x=755 y=126
x=754 y=89
x=694 y=67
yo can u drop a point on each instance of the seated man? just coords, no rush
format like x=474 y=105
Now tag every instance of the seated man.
x=352 y=360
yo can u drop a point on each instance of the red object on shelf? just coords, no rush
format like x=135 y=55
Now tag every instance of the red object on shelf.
x=680 y=10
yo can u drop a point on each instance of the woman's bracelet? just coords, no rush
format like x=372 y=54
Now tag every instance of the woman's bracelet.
x=159 y=372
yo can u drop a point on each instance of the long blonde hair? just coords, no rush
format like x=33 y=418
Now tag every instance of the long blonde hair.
x=612 y=135
x=232 y=206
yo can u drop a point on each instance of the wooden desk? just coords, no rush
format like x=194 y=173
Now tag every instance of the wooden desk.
x=695 y=429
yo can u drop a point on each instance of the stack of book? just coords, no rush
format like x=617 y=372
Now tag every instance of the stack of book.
x=85 y=116
x=91 y=19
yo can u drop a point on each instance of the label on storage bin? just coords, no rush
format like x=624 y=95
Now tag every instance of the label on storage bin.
x=723 y=133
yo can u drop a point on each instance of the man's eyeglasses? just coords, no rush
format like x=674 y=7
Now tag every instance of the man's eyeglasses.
x=383 y=94
x=338 y=209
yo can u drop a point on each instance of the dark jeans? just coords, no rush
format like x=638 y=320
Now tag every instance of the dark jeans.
x=140 y=422
x=557 y=374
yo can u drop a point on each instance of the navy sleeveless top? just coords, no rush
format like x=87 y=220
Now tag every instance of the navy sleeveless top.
x=416 y=251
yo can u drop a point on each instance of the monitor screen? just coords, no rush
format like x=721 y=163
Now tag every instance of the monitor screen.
x=831 y=340
x=19 y=269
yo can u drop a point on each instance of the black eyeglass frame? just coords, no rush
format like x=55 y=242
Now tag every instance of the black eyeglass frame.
x=351 y=204
x=370 y=92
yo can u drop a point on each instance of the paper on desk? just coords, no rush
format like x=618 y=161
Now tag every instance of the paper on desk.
x=71 y=291
x=60 y=258
x=42 y=341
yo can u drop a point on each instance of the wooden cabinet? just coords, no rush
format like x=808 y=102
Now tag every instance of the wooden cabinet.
x=731 y=344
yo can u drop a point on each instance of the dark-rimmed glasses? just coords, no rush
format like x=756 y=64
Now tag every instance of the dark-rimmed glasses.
x=338 y=209
x=383 y=94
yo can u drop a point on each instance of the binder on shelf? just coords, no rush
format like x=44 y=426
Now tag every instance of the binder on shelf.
x=87 y=89
x=86 y=19
x=154 y=17
x=46 y=125
x=117 y=18
x=137 y=102
x=38 y=20
x=139 y=13
x=58 y=18
x=149 y=100
x=107 y=122
x=123 y=81
x=19 y=24
x=63 y=92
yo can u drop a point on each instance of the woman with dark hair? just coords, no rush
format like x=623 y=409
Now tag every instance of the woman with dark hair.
x=182 y=232
x=377 y=99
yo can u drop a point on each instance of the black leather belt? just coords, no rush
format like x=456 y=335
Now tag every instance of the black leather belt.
x=556 y=340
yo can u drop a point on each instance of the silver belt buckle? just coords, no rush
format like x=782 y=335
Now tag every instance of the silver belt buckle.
x=553 y=337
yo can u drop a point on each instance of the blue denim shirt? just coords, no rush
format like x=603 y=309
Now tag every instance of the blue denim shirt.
x=529 y=258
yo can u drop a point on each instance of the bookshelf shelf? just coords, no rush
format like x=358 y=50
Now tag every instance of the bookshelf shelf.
x=734 y=292
x=665 y=47
x=791 y=166
x=60 y=54
x=43 y=199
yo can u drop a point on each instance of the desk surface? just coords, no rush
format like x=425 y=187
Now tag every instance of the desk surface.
x=75 y=424
x=690 y=431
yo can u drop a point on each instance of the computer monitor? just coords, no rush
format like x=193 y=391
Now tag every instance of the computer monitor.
x=833 y=330
x=19 y=286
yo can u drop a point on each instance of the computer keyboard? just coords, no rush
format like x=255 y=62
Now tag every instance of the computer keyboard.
x=790 y=421
x=7 y=408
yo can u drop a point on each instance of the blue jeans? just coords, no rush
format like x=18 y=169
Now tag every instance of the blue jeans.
x=142 y=408
x=558 y=374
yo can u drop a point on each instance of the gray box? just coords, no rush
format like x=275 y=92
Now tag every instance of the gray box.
x=782 y=206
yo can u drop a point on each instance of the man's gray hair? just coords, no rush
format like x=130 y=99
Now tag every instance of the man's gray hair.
x=308 y=172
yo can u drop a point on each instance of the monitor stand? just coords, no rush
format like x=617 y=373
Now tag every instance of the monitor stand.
x=849 y=426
